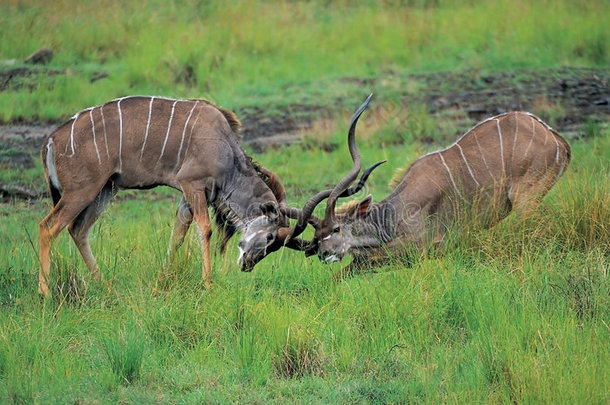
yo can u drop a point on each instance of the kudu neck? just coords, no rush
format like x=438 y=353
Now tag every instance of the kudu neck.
x=242 y=195
x=377 y=226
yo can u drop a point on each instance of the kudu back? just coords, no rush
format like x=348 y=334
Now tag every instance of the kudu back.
x=143 y=142
x=507 y=162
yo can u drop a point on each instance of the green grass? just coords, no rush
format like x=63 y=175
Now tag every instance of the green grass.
x=218 y=50
x=516 y=313
x=519 y=313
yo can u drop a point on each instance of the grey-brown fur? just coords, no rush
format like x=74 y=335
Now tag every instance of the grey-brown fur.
x=508 y=162
x=142 y=142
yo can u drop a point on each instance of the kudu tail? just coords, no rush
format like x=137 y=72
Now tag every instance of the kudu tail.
x=50 y=172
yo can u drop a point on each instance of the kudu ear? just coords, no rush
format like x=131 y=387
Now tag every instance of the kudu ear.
x=362 y=207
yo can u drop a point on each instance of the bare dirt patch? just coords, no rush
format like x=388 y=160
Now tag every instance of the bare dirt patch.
x=570 y=98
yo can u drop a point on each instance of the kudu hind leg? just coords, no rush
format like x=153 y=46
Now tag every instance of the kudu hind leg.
x=67 y=209
x=80 y=228
x=49 y=228
x=526 y=196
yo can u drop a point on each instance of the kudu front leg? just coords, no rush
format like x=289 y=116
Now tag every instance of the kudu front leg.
x=184 y=218
x=196 y=199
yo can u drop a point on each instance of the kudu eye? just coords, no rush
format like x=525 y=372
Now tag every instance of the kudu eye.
x=269 y=237
x=336 y=229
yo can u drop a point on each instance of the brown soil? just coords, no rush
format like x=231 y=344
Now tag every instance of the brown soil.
x=570 y=97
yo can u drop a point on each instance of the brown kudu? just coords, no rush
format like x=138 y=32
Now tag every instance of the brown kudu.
x=143 y=142
x=507 y=162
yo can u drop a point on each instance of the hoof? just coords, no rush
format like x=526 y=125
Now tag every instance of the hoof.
x=43 y=290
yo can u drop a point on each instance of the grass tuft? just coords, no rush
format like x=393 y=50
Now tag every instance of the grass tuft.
x=299 y=356
x=125 y=352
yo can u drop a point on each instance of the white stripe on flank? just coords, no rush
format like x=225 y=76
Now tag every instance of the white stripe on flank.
x=467 y=165
x=184 y=132
x=501 y=147
x=51 y=165
x=483 y=156
x=147 y=126
x=512 y=156
x=118 y=105
x=169 y=127
x=556 y=149
x=97 y=151
x=561 y=169
x=450 y=175
x=533 y=135
x=463 y=135
x=469 y=132
x=547 y=126
x=188 y=143
x=546 y=137
x=72 y=133
x=105 y=136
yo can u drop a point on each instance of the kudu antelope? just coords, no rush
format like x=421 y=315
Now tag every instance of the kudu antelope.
x=142 y=142
x=288 y=237
x=507 y=162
